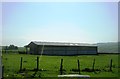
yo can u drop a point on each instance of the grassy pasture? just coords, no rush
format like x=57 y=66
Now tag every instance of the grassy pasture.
x=50 y=65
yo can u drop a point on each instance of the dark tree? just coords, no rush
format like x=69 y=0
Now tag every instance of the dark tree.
x=12 y=47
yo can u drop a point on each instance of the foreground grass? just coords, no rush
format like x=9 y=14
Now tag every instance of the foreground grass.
x=50 y=65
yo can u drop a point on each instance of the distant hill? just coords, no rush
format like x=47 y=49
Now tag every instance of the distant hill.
x=0 y=47
x=21 y=48
x=110 y=47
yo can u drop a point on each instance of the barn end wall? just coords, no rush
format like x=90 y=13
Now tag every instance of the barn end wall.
x=33 y=48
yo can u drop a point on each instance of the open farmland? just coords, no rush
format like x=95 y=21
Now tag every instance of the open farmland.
x=49 y=66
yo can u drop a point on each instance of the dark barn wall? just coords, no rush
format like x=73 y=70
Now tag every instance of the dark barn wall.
x=87 y=50
x=53 y=50
x=67 y=50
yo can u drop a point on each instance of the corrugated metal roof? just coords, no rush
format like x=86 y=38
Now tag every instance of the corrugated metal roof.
x=62 y=43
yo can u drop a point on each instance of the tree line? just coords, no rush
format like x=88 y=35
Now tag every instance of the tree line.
x=10 y=47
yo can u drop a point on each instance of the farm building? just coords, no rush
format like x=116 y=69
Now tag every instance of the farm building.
x=60 y=48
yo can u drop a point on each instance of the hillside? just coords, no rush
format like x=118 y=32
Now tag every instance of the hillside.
x=110 y=47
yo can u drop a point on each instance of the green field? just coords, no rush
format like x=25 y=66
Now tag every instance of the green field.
x=49 y=65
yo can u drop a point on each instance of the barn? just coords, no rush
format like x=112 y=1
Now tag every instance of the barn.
x=60 y=48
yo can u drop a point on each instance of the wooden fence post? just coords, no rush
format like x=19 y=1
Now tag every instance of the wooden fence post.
x=78 y=66
x=61 y=66
x=111 y=65
x=21 y=63
x=37 y=63
x=93 y=67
